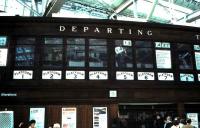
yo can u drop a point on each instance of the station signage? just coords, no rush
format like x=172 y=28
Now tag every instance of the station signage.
x=51 y=74
x=100 y=119
x=23 y=74
x=98 y=75
x=75 y=74
x=122 y=75
x=145 y=76
x=166 y=76
x=194 y=119
x=186 y=77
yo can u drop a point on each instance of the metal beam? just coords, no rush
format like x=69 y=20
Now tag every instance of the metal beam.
x=121 y=7
x=152 y=10
x=53 y=7
x=193 y=16
x=135 y=13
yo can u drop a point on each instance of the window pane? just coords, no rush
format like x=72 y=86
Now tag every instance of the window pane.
x=24 y=55
x=75 y=56
x=97 y=54
x=52 y=55
x=184 y=56
x=143 y=44
x=53 y=41
x=3 y=40
x=123 y=54
x=72 y=41
x=26 y=40
x=144 y=58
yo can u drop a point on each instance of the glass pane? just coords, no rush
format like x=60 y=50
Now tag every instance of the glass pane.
x=53 y=40
x=25 y=40
x=98 y=56
x=3 y=40
x=197 y=59
x=97 y=42
x=123 y=55
x=79 y=41
x=143 y=44
x=52 y=55
x=75 y=56
x=144 y=58
x=24 y=56
x=184 y=56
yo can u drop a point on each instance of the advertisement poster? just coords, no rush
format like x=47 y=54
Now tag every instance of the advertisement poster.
x=38 y=114
x=100 y=117
x=6 y=119
x=197 y=59
x=163 y=59
x=186 y=77
x=3 y=56
x=68 y=118
x=194 y=118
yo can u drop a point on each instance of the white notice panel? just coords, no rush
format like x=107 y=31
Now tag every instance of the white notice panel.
x=22 y=74
x=145 y=76
x=3 y=56
x=166 y=76
x=98 y=75
x=197 y=60
x=38 y=114
x=100 y=119
x=186 y=77
x=163 y=59
x=199 y=77
x=124 y=75
x=75 y=75
x=68 y=118
x=51 y=74
x=6 y=119
x=194 y=118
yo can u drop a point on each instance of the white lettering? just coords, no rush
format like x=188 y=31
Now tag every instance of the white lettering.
x=109 y=30
x=74 y=28
x=130 y=31
x=149 y=33
x=85 y=29
x=140 y=32
x=62 y=28
x=97 y=30
x=121 y=30
x=198 y=37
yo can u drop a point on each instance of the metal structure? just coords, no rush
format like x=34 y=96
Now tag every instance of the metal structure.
x=163 y=11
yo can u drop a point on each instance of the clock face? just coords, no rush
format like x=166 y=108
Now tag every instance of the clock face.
x=166 y=76
x=145 y=76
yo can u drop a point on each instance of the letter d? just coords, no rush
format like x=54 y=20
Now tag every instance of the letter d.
x=62 y=28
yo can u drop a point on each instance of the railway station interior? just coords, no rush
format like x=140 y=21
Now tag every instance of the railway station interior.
x=99 y=63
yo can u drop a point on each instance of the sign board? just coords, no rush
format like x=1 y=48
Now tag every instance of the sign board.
x=162 y=44
x=75 y=75
x=112 y=93
x=197 y=47
x=197 y=60
x=68 y=118
x=38 y=114
x=3 y=56
x=163 y=59
x=120 y=75
x=186 y=77
x=145 y=76
x=127 y=43
x=98 y=75
x=3 y=40
x=194 y=118
x=166 y=76
x=100 y=119
x=51 y=74
x=22 y=74
x=6 y=119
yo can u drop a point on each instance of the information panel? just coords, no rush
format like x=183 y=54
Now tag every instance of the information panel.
x=98 y=75
x=197 y=60
x=186 y=77
x=51 y=74
x=199 y=77
x=100 y=119
x=68 y=118
x=38 y=114
x=3 y=56
x=163 y=59
x=23 y=74
x=124 y=75
x=194 y=118
x=6 y=119
x=145 y=76
x=75 y=74
x=166 y=76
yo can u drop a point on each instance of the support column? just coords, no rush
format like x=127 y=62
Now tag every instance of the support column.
x=181 y=109
x=113 y=113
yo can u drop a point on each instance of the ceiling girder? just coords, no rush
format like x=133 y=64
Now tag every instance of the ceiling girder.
x=193 y=16
x=53 y=7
